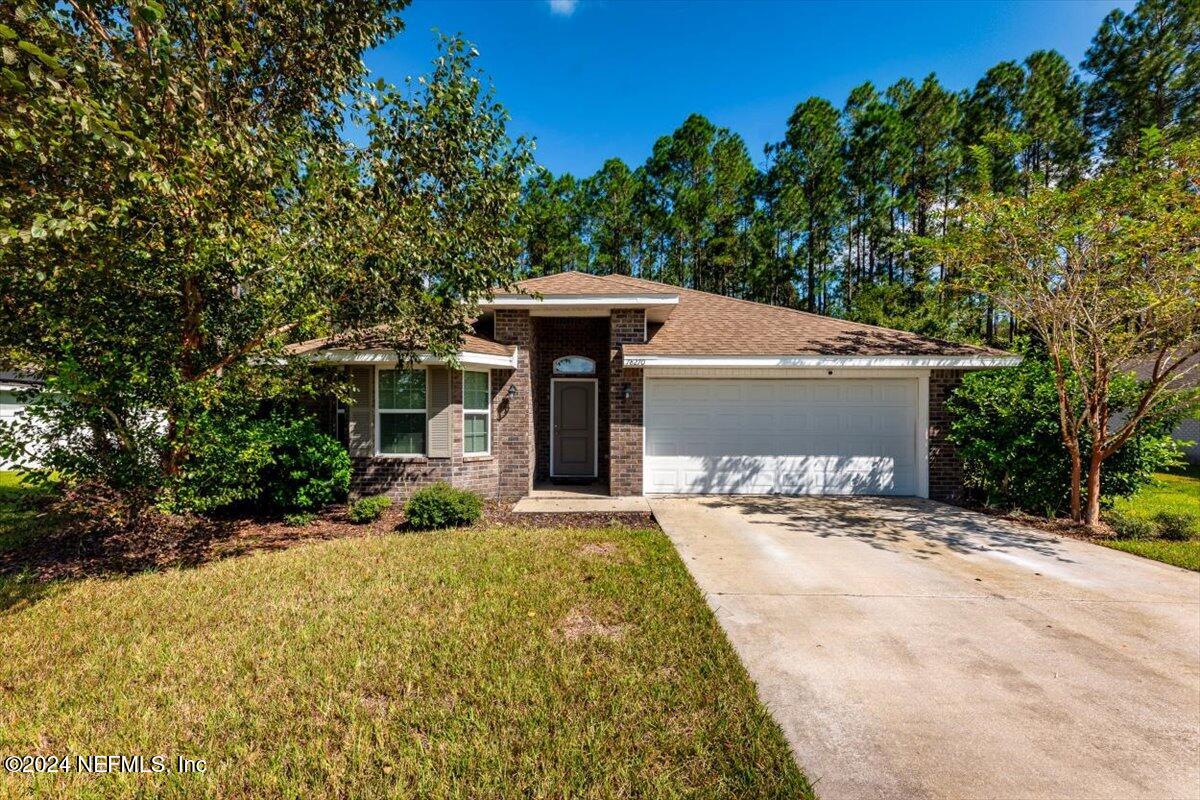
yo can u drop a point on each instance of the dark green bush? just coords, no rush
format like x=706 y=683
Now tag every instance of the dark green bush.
x=440 y=505
x=1177 y=526
x=280 y=462
x=1127 y=526
x=308 y=470
x=1005 y=424
x=368 y=509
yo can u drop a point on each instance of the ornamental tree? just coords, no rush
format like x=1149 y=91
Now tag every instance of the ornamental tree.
x=1104 y=273
x=179 y=198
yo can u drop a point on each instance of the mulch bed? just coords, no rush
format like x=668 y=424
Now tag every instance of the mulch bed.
x=191 y=541
x=1059 y=526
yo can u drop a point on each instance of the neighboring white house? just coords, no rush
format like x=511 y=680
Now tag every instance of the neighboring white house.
x=1189 y=429
x=15 y=388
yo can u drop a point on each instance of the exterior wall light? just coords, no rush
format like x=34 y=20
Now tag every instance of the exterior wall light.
x=627 y=392
x=512 y=391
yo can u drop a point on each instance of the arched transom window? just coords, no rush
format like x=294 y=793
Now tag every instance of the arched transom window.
x=574 y=365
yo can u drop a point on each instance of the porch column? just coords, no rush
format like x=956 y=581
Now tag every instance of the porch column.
x=513 y=440
x=626 y=326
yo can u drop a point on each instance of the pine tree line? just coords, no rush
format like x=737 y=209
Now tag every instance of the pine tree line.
x=828 y=221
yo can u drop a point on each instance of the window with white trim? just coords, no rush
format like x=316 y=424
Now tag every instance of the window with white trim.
x=400 y=412
x=477 y=413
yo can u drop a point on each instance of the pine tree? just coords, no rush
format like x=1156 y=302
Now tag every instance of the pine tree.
x=810 y=158
x=1146 y=65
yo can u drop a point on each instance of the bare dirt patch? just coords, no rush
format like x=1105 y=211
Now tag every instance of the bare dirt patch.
x=580 y=622
x=609 y=550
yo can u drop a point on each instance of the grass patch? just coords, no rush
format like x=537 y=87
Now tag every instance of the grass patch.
x=1179 y=554
x=1170 y=491
x=495 y=662
x=1178 y=492
x=21 y=518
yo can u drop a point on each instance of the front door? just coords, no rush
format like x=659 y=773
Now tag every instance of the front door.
x=573 y=429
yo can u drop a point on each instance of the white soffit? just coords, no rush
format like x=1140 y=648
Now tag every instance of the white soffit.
x=466 y=358
x=843 y=362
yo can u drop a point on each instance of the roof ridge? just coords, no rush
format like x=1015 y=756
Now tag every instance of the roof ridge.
x=806 y=314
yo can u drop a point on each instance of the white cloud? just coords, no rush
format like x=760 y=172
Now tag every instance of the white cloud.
x=564 y=8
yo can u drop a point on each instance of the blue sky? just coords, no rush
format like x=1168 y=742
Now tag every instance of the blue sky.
x=599 y=78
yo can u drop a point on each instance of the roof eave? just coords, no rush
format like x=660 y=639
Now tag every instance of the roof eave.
x=380 y=356
x=521 y=301
x=635 y=359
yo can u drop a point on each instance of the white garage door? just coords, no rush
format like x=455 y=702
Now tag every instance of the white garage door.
x=809 y=436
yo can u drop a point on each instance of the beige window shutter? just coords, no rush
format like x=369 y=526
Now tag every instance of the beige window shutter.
x=438 y=406
x=362 y=411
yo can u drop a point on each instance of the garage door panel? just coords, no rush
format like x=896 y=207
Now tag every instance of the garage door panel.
x=781 y=436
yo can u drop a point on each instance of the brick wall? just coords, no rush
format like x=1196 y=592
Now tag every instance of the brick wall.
x=513 y=441
x=626 y=326
x=569 y=336
x=945 y=469
x=400 y=477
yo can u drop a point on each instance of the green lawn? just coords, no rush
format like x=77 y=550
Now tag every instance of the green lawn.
x=502 y=662
x=1176 y=491
x=19 y=514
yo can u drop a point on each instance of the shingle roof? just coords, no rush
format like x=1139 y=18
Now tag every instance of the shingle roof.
x=471 y=343
x=712 y=324
x=583 y=283
x=12 y=377
x=1144 y=368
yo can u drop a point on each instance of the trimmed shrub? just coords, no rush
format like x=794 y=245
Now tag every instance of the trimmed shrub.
x=1177 y=526
x=308 y=470
x=368 y=509
x=1126 y=526
x=440 y=505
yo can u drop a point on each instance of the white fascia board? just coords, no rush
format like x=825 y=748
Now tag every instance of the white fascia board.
x=466 y=358
x=845 y=362
x=568 y=300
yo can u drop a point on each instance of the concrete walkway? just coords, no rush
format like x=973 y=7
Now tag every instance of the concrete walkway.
x=911 y=649
x=587 y=498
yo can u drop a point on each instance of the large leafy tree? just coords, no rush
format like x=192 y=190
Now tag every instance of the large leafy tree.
x=177 y=202
x=1104 y=272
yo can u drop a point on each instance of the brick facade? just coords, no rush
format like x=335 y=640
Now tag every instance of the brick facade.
x=568 y=336
x=945 y=468
x=400 y=477
x=626 y=326
x=521 y=424
x=513 y=441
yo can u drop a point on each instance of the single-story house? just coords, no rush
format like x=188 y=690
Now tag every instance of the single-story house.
x=641 y=387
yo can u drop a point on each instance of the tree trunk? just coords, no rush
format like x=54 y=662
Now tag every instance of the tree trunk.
x=1092 y=517
x=1076 y=483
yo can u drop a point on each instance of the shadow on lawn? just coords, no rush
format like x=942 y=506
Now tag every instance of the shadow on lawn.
x=48 y=553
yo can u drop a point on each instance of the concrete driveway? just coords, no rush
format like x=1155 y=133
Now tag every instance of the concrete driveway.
x=911 y=649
